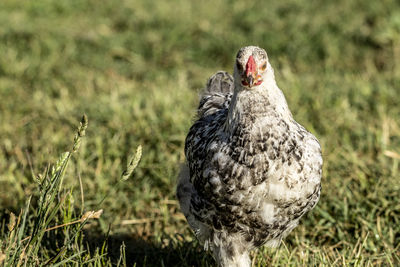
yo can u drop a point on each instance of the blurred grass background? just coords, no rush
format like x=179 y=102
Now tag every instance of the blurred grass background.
x=136 y=67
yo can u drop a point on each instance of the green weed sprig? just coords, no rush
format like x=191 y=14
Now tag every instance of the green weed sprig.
x=20 y=250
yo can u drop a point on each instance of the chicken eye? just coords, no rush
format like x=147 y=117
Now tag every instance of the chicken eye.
x=264 y=66
x=239 y=66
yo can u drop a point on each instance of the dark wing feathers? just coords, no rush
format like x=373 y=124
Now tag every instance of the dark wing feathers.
x=212 y=112
x=217 y=94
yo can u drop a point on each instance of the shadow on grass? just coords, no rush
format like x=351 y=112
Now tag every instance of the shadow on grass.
x=165 y=251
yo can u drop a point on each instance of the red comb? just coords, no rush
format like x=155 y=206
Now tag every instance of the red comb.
x=250 y=66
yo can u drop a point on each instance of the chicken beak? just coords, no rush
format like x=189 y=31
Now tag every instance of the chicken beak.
x=250 y=80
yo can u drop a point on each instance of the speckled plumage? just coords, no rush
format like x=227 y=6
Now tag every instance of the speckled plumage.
x=252 y=171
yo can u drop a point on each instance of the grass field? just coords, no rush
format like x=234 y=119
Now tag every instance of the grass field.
x=135 y=68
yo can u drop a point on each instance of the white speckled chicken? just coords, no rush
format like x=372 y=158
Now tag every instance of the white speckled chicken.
x=252 y=171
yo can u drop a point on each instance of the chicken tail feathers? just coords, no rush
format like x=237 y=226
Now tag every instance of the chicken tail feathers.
x=217 y=94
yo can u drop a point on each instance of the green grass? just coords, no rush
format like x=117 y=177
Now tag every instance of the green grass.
x=136 y=67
